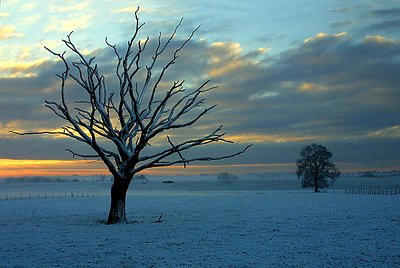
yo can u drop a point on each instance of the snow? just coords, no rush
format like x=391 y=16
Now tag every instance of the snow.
x=205 y=223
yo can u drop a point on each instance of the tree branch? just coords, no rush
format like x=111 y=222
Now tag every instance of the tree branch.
x=119 y=124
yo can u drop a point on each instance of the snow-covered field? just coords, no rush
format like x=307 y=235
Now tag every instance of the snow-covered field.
x=253 y=222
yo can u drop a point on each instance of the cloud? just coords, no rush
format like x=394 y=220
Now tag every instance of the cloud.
x=226 y=58
x=70 y=24
x=386 y=25
x=147 y=9
x=320 y=37
x=388 y=19
x=28 y=7
x=392 y=132
x=8 y=32
x=23 y=91
x=27 y=21
x=15 y=69
x=342 y=23
x=352 y=73
x=128 y=9
x=266 y=138
x=311 y=87
x=342 y=10
x=389 y=12
x=77 y=7
x=332 y=88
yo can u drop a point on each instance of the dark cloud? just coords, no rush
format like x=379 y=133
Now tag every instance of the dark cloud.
x=390 y=12
x=356 y=89
x=23 y=98
x=386 y=20
x=38 y=147
x=367 y=17
x=329 y=86
x=387 y=25
x=330 y=89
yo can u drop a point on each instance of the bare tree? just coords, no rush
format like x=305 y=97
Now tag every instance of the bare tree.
x=119 y=124
x=314 y=167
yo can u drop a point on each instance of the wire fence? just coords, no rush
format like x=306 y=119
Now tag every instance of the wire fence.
x=22 y=196
x=373 y=191
x=60 y=195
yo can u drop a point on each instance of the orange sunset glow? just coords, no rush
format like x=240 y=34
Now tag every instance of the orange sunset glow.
x=21 y=168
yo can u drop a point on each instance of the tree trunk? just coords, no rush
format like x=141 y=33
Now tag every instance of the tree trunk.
x=118 y=197
x=316 y=189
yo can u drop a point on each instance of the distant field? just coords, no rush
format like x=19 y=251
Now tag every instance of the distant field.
x=93 y=186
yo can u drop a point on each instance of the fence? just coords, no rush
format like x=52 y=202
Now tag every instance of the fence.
x=21 y=196
x=373 y=191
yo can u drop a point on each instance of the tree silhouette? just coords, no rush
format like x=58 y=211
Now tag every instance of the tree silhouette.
x=314 y=167
x=120 y=124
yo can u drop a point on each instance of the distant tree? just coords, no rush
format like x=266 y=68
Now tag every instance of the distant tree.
x=225 y=176
x=119 y=123
x=314 y=167
x=142 y=178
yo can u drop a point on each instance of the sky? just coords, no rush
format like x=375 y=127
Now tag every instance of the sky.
x=288 y=74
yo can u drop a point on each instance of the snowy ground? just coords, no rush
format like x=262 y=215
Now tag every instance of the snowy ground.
x=238 y=224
